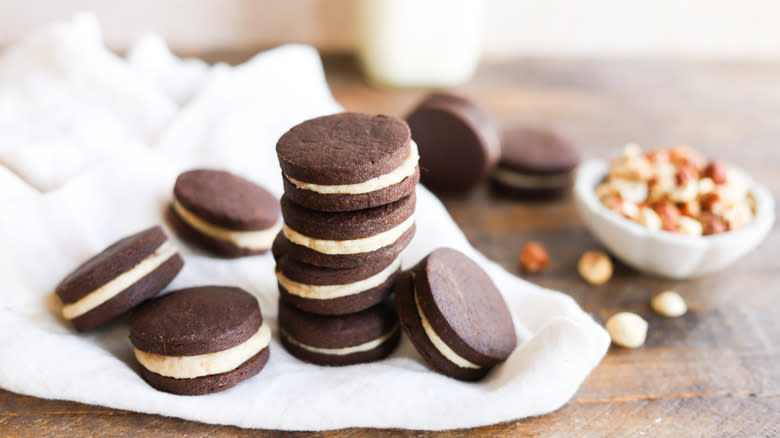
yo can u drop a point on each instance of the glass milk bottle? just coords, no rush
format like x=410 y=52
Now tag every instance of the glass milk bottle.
x=419 y=43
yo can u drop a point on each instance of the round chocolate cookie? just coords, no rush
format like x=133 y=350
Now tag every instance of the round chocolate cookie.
x=366 y=336
x=458 y=140
x=536 y=163
x=348 y=239
x=328 y=291
x=111 y=283
x=200 y=340
x=224 y=213
x=454 y=315
x=348 y=161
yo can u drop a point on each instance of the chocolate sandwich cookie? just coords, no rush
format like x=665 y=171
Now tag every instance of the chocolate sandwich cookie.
x=347 y=239
x=200 y=340
x=454 y=315
x=536 y=163
x=119 y=278
x=360 y=337
x=458 y=140
x=224 y=213
x=329 y=291
x=348 y=161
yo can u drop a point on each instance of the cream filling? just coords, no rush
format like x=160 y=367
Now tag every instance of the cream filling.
x=366 y=244
x=526 y=181
x=120 y=283
x=190 y=367
x=370 y=345
x=397 y=175
x=437 y=342
x=253 y=240
x=326 y=292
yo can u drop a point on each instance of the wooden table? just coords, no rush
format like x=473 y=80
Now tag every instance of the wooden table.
x=713 y=372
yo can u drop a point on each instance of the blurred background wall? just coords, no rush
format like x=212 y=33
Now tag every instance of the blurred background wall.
x=706 y=28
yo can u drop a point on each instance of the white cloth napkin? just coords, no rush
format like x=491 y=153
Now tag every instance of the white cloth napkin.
x=130 y=139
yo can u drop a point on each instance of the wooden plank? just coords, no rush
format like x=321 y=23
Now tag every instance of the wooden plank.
x=711 y=373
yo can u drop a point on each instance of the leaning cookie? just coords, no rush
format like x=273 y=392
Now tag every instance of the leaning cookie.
x=536 y=163
x=454 y=315
x=366 y=336
x=348 y=239
x=459 y=142
x=224 y=213
x=348 y=161
x=200 y=340
x=119 y=278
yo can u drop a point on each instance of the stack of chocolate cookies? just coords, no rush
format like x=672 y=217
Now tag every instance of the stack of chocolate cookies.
x=348 y=212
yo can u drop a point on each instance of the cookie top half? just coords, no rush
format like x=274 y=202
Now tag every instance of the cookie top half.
x=195 y=321
x=345 y=148
x=227 y=200
x=115 y=260
x=537 y=150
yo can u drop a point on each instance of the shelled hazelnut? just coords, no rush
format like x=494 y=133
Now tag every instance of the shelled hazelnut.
x=669 y=303
x=627 y=329
x=595 y=267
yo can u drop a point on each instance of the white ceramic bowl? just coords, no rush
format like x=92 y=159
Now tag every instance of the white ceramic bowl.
x=662 y=253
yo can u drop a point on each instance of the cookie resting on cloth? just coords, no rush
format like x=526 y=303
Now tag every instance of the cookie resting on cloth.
x=119 y=278
x=200 y=340
x=454 y=315
x=224 y=213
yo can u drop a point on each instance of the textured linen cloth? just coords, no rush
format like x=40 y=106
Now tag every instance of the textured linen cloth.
x=90 y=146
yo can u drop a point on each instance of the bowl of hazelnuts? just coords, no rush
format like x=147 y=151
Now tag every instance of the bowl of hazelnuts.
x=671 y=212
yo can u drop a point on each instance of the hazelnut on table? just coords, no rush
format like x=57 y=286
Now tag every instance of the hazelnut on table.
x=533 y=257
x=627 y=329
x=669 y=303
x=595 y=267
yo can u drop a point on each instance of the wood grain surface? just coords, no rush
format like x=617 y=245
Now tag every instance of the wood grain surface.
x=713 y=372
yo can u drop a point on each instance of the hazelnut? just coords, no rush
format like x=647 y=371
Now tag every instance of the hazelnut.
x=624 y=208
x=671 y=227
x=595 y=267
x=709 y=200
x=632 y=191
x=686 y=175
x=689 y=226
x=738 y=216
x=716 y=171
x=658 y=156
x=632 y=169
x=659 y=187
x=712 y=224
x=690 y=209
x=631 y=150
x=685 y=193
x=706 y=185
x=668 y=213
x=605 y=191
x=627 y=329
x=533 y=257
x=649 y=219
x=684 y=156
x=669 y=303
